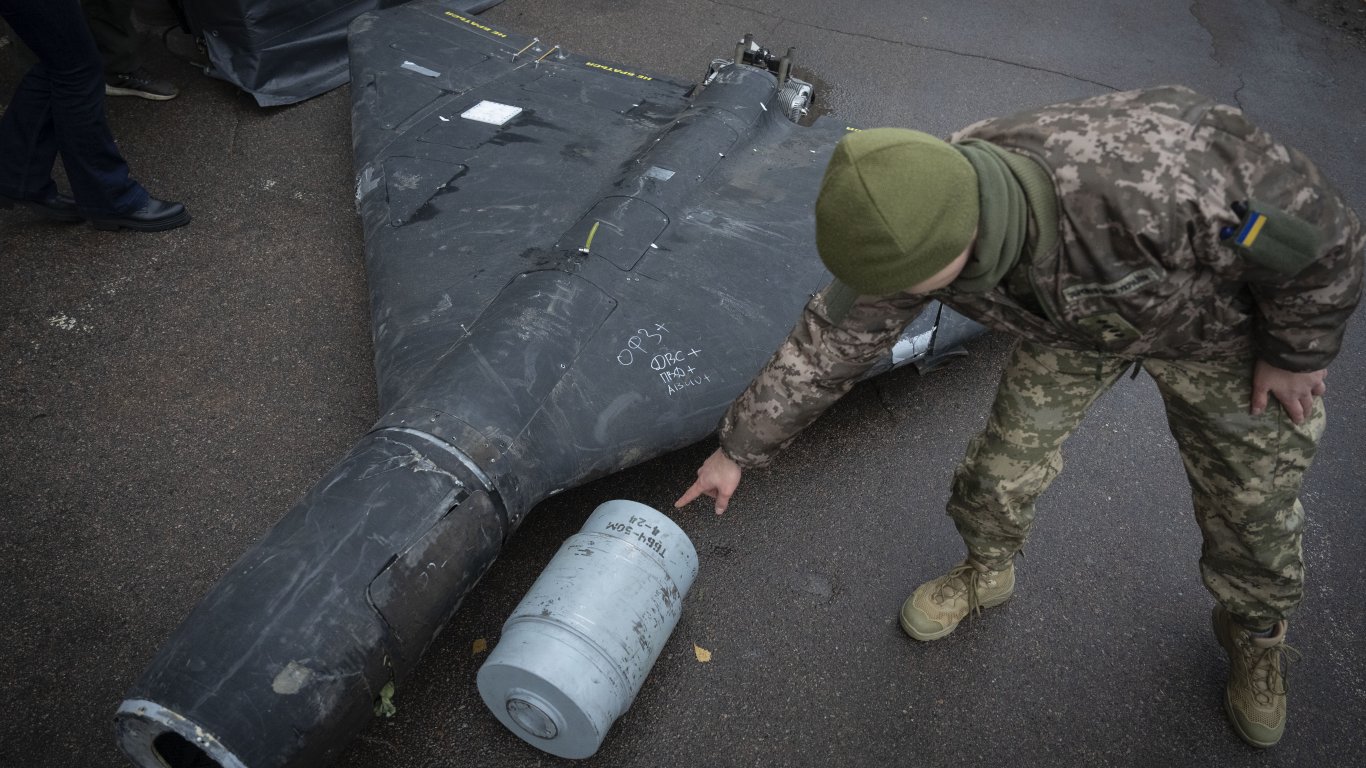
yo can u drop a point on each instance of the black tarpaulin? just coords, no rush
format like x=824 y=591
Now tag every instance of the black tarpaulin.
x=285 y=51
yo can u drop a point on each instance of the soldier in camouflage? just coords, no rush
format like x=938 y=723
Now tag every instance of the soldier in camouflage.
x=1150 y=229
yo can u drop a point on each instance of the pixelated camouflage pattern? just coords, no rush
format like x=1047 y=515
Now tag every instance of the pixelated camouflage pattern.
x=1245 y=471
x=818 y=362
x=1042 y=397
x=1245 y=474
x=1145 y=182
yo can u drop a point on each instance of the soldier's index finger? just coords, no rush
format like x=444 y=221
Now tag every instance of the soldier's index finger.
x=689 y=495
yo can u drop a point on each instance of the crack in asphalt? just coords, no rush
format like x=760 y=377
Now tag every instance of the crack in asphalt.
x=1195 y=12
x=232 y=137
x=918 y=46
x=1216 y=52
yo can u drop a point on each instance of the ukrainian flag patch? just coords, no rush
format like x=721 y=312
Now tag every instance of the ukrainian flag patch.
x=1251 y=228
x=1272 y=238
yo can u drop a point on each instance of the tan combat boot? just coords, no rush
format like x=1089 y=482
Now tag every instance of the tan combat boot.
x=936 y=607
x=1255 y=695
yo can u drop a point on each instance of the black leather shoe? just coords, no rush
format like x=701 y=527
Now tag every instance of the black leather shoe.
x=155 y=216
x=57 y=207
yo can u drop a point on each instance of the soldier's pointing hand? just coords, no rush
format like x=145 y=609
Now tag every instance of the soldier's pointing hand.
x=718 y=478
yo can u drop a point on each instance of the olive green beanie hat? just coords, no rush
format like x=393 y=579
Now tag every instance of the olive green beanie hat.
x=895 y=207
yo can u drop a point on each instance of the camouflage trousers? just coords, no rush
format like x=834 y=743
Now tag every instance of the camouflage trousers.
x=1244 y=471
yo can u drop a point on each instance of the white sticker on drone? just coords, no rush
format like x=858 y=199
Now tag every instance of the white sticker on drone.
x=491 y=112
x=418 y=68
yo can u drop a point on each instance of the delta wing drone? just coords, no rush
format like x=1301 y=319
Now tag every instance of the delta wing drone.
x=574 y=267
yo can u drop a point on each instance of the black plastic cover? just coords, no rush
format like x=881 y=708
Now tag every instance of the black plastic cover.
x=284 y=51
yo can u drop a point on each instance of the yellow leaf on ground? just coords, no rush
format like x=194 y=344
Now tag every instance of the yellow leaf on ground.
x=480 y=646
x=703 y=655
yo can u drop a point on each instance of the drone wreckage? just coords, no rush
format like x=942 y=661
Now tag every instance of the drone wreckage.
x=574 y=267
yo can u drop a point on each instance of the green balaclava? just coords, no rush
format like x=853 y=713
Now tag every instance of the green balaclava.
x=895 y=207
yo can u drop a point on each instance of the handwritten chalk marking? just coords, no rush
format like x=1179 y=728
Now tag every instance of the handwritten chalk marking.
x=626 y=356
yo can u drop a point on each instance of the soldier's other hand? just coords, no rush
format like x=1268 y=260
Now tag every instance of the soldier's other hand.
x=1295 y=391
x=718 y=478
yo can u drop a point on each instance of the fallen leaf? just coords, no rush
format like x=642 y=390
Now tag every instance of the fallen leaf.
x=384 y=705
x=703 y=655
x=480 y=646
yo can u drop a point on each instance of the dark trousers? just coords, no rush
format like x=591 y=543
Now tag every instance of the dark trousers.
x=58 y=107
x=111 y=22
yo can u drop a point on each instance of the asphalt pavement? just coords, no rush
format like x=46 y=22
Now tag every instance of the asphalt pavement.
x=164 y=398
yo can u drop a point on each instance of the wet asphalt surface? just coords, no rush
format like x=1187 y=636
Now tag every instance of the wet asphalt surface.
x=164 y=399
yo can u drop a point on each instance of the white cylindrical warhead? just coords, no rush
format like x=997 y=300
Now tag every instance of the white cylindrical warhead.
x=576 y=649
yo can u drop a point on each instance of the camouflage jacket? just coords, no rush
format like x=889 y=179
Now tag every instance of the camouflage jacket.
x=1145 y=183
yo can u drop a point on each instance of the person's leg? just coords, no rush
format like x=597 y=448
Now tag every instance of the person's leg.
x=28 y=143
x=111 y=24
x=1043 y=395
x=28 y=150
x=56 y=32
x=1245 y=473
